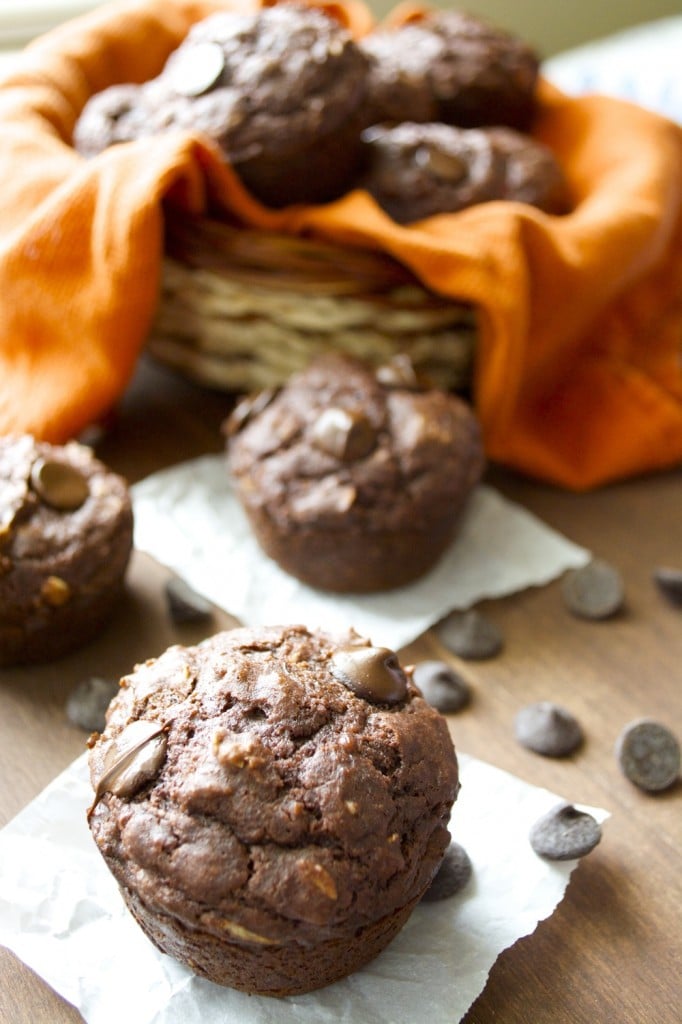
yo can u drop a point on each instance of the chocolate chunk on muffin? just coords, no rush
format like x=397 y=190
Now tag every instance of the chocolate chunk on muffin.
x=417 y=170
x=450 y=66
x=354 y=480
x=279 y=90
x=272 y=803
x=66 y=534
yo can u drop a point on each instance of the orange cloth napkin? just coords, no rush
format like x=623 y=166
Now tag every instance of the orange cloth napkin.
x=578 y=378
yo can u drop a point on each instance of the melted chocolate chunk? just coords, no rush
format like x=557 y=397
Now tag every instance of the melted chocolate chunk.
x=372 y=673
x=59 y=484
x=134 y=758
x=345 y=435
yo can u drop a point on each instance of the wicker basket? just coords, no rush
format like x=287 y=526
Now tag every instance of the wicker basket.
x=243 y=309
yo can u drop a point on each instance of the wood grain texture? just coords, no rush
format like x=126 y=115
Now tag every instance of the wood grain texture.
x=613 y=949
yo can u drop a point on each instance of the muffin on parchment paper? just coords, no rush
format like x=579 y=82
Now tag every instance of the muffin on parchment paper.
x=354 y=479
x=273 y=803
x=66 y=534
x=279 y=90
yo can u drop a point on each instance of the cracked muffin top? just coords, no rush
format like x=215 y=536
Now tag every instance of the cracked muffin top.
x=278 y=784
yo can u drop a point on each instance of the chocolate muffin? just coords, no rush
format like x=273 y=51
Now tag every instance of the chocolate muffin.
x=279 y=90
x=354 y=480
x=273 y=803
x=416 y=170
x=66 y=534
x=453 y=67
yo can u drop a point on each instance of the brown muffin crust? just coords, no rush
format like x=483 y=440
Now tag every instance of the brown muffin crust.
x=280 y=817
x=354 y=483
x=417 y=170
x=279 y=91
x=66 y=533
x=453 y=67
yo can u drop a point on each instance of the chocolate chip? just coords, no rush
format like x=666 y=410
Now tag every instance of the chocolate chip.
x=595 y=591
x=373 y=673
x=87 y=703
x=649 y=754
x=443 y=687
x=453 y=874
x=194 y=69
x=669 y=582
x=59 y=484
x=347 y=435
x=564 y=833
x=398 y=372
x=246 y=408
x=132 y=759
x=470 y=635
x=548 y=729
x=184 y=603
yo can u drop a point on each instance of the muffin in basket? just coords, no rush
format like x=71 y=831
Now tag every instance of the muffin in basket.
x=273 y=803
x=66 y=534
x=354 y=480
x=450 y=66
x=417 y=170
x=279 y=90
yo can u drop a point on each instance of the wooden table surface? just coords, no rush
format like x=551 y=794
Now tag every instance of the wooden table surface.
x=612 y=951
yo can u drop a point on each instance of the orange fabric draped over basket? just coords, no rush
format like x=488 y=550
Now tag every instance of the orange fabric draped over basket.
x=578 y=378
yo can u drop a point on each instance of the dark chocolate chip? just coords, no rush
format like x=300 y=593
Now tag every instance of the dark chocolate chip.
x=669 y=582
x=194 y=69
x=398 y=372
x=184 y=604
x=649 y=755
x=373 y=673
x=59 y=484
x=565 y=833
x=548 y=729
x=246 y=408
x=470 y=635
x=453 y=874
x=132 y=759
x=595 y=591
x=443 y=687
x=344 y=434
x=87 y=704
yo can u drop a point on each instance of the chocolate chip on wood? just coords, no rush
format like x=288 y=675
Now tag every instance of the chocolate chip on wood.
x=443 y=687
x=548 y=729
x=470 y=635
x=649 y=755
x=595 y=591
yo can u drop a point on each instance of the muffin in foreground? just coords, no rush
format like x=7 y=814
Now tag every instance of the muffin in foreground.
x=273 y=803
x=66 y=535
x=354 y=480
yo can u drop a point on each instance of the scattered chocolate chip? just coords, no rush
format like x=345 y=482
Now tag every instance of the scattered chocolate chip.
x=470 y=635
x=184 y=603
x=132 y=759
x=669 y=582
x=453 y=874
x=345 y=435
x=443 y=687
x=649 y=755
x=195 y=69
x=548 y=729
x=59 y=484
x=87 y=703
x=373 y=673
x=595 y=591
x=564 y=833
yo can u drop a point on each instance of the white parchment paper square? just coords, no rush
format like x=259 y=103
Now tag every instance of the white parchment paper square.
x=188 y=518
x=61 y=913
